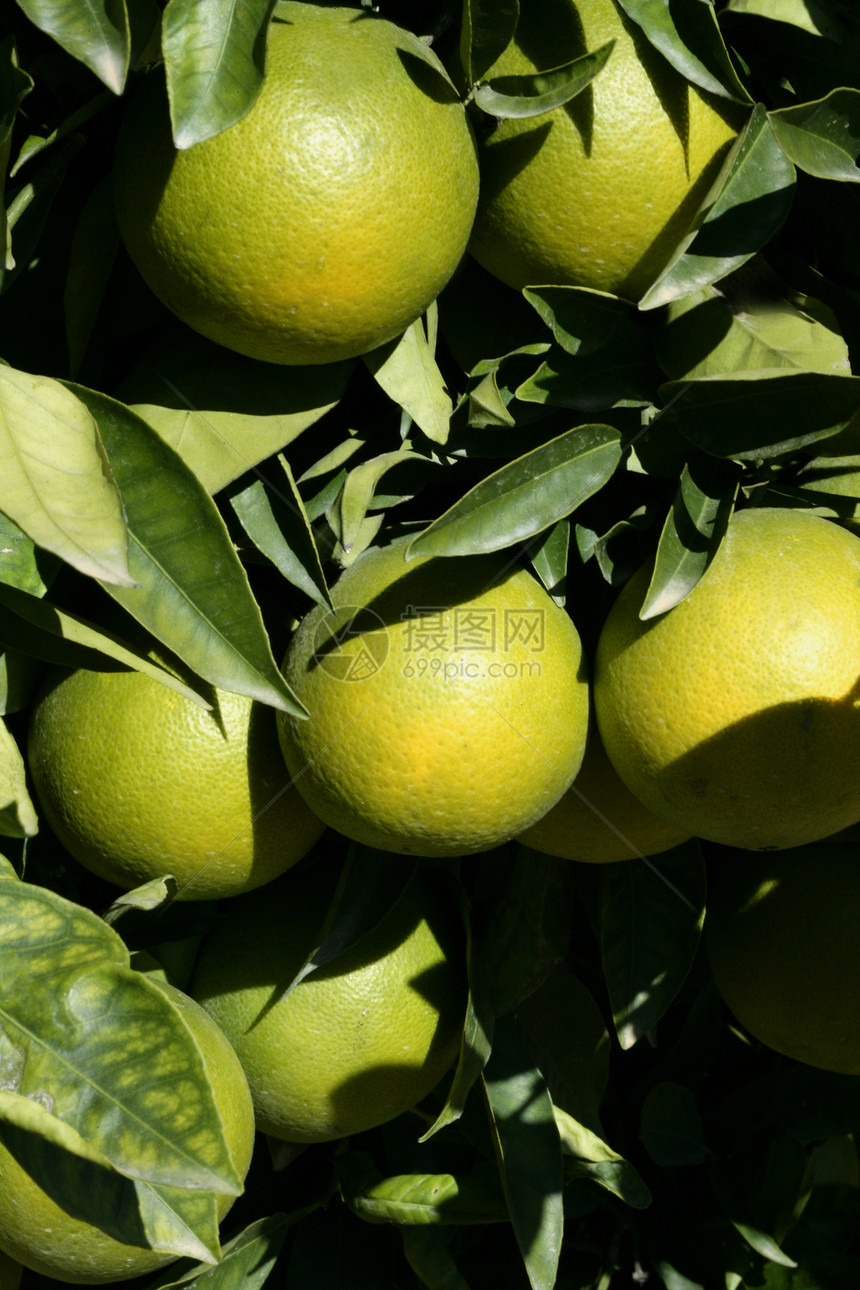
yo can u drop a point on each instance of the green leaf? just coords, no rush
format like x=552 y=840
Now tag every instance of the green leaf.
x=96 y=32
x=822 y=138
x=650 y=922
x=409 y=374
x=56 y=636
x=21 y=564
x=688 y=36
x=619 y=373
x=224 y=413
x=539 y=92
x=417 y=1199
x=18 y=817
x=528 y=1152
x=757 y=415
x=92 y=1040
x=360 y=485
x=15 y=85
x=29 y=209
x=56 y=480
x=526 y=495
x=278 y=525
x=36 y=143
x=152 y=895
x=487 y=29
x=694 y=529
x=430 y=1260
x=192 y=593
x=213 y=57
x=94 y=247
x=587 y=1156
x=749 y=202
x=671 y=1127
x=581 y=319
x=246 y=1260
x=808 y=15
x=19 y=676
x=549 y=559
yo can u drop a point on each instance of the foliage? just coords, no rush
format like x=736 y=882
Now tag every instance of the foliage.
x=607 y=1123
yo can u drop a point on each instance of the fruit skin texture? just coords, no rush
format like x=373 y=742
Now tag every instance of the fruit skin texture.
x=781 y=937
x=37 y=1232
x=599 y=821
x=735 y=714
x=447 y=716
x=325 y=221
x=137 y=782
x=361 y=1039
x=596 y=193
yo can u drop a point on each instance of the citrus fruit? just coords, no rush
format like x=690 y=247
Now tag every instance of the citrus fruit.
x=781 y=936
x=598 y=192
x=42 y=1236
x=448 y=703
x=325 y=221
x=363 y=1037
x=138 y=781
x=599 y=820
x=735 y=714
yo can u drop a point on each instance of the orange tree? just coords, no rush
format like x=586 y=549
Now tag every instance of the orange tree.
x=608 y=1121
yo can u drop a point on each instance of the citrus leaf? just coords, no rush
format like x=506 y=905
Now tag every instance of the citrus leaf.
x=757 y=415
x=409 y=374
x=430 y=1260
x=745 y=209
x=650 y=922
x=35 y=143
x=246 y=1260
x=29 y=208
x=152 y=895
x=689 y=37
x=7 y=869
x=18 y=817
x=619 y=373
x=587 y=1156
x=539 y=92
x=20 y=561
x=103 y=1047
x=417 y=1199
x=822 y=138
x=15 y=85
x=359 y=488
x=19 y=676
x=96 y=32
x=487 y=30
x=670 y=1126
x=526 y=495
x=692 y=533
x=528 y=1153
x=56 y=481
x=183 y=1222
x=56 y=636
x=764 y=1245
x=213 y=57
x=808 y=15
x=277 y=524
x=581 y=319
x=94 y=247
x=549 y=559
x=192 y=593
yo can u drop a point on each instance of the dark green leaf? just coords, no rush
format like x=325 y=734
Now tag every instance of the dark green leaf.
x=619 y=373
x=539 y=92
x=359 y=486
x=822 y=138
x=213 y=57
x=587 y=1156
x=18 y=817
x=581 y=320
x=430 y=1260
x=525 y=496
x=651 y=915
x=487 y=29
x=808 y=15
x=417 y=1199
x=20 y=561
x=689 y=37
x=15 y=85
x=671 y=1127
x=277 y=524
x=96 y=32
x=29 y=208
x=94 y=247
x=192 y=593
x=528 y=1151
x=694 y=528
x=747 y=206
x=246 y=1260
x=755 y=415
x=549 y=558
x=19 y=676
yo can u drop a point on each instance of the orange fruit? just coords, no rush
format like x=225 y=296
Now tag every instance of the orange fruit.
x=138 y=782
x=42 y=1236
x=734 y=715
x=599 y=820
x=781 y=936
x=325 y=221
x=361 y=1039
x=596 y=193
x=448 y=703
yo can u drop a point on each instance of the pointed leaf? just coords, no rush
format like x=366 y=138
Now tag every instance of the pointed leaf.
x=152 y=895
x=55 y=480
x=20 y=561
x=757 y=415
x=528 y=1152
x=539 y=92
x=822 y=138
x=808 y=15
x=620 y=373
x=744 y=210
x=213 y=57
x=15 y=85
x=588 y=1156
x=96 y=32
x=184 y=1222
x=39 y=628
x=360 y=485
x=581 y=320
x=694 y=528
x=246 y=1260
x=409 y=374
x=192 y=592
x=695 y=48
x=277 y=524
x=18 y=817
x=430 y=1260
x=549 y=559
x=764 y=1245
x=102 y=1047
x=29 y=209
x=525 y=496
x=417 y=1199
x=487 y=30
